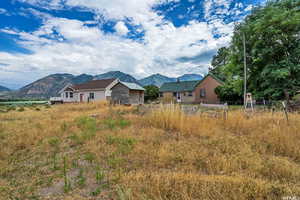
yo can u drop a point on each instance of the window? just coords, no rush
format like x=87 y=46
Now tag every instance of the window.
x=161 y=94
x=67 y=94
x=71 y=94
x=174 y=94
x=92 y=95
x=202 y=92
x=190 y=94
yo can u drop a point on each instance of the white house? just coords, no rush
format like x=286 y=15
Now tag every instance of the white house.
x=95 y=90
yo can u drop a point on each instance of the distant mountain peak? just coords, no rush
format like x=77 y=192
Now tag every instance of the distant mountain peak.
x=156 y=79
x=4 y=89
x=81 y=78
x=116 y=74
x=159 y=79
x=190 y=77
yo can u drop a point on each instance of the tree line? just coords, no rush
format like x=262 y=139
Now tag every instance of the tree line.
x=272 y=35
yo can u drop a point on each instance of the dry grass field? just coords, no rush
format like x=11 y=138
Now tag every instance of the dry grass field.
x=93 y=151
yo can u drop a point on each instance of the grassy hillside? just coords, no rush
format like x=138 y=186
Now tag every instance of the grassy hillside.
x=92 y=151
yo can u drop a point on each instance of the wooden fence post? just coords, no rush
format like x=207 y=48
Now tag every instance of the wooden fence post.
x=225 y=111
x=285 y=111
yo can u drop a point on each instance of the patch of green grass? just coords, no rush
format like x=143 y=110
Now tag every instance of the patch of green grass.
x=96 y=192
x=54 y=161
x=124 y=145
x=80 y=138
x=123 y=123
x=67 y=183
x=81 y=180
x=99 y=175
x=116 y=123
x=110 y=123
x=75 y=163
x=54 y=141
x=87 y=124
x=90 y=157
x=87 y=135
x=114 y=161
x=76 y=138
x=123 y=193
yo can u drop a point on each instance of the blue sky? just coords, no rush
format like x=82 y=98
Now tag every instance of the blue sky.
x=139 y=37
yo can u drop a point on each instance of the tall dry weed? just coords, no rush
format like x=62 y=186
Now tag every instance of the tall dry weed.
x=159 y=154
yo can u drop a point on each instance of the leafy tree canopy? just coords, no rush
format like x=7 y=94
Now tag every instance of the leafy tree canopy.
x=151 y=93
x=273 y=52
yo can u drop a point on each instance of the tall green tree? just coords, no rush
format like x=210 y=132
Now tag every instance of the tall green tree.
x=151 y=93
x=219 y=61
x=273 y=50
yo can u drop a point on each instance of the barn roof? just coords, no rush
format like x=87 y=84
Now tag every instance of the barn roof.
x=132 y=86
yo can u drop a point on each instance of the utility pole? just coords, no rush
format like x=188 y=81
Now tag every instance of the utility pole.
x=245 y=71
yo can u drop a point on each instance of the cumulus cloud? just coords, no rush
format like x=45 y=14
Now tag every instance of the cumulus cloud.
x=72 y=46
x=121 y=28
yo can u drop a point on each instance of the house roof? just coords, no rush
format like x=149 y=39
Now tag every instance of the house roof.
x=95 y=84
x=185 y=86
x=214 y=77
x=182 y=86
x=132 y=86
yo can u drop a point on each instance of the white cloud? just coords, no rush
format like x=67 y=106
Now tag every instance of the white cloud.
x=121 y=28
x=249 y=8
x=88 y=50
x=65 y=45
x=4 y=12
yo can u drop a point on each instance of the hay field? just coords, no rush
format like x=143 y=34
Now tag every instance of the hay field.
x=93 y=151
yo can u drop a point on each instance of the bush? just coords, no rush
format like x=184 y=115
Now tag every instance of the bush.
x=151 y=93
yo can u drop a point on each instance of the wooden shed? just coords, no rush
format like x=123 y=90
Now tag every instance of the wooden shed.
x=127 y=93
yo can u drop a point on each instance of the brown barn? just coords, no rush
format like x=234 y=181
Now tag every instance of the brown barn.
x=202 y=91
x=127 y=93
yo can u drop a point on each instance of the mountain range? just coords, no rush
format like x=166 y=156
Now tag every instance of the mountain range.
x=116 y=74
x=50 y=85
x=158 y=79
x=4 y=89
